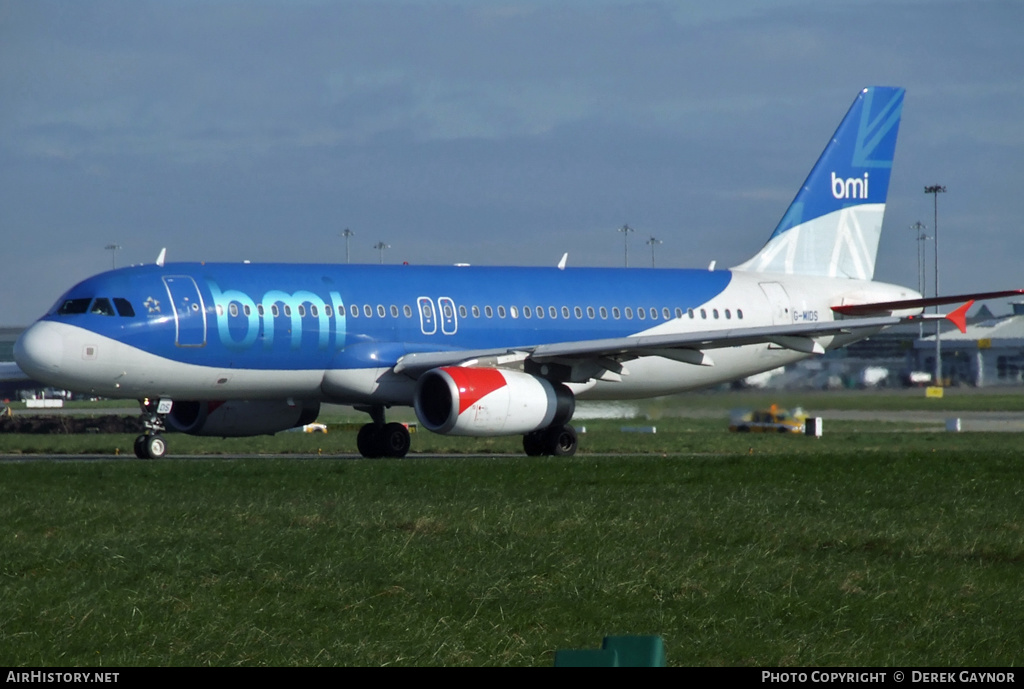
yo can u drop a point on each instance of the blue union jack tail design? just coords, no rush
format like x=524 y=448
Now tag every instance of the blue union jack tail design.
x=834 y=223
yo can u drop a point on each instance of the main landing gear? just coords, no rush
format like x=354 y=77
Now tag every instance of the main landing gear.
x=151 y=444
x=381 y=439
x=558 y=441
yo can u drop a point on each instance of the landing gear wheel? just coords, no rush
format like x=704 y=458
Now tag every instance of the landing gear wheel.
x=394 y=440
x=140 y=447
x=155 y=446
x=560 y=441
x=533 y=444
x=369 y=442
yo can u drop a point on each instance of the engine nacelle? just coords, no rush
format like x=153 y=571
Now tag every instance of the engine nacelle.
x=238 y=418
x=489 y=401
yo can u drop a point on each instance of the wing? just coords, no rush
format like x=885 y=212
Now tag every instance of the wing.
x=607 y=355
x=691 y=347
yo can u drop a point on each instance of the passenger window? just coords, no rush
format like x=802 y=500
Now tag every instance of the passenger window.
x=714 y=312
x=604 y=313
x=629 y=313
x=540 y=312
x=462 y=311
x=233 y=309
x=354 y=310
x=302 y=311
x=476 y=311
x=489 y=311
x=703 y=314
x=246 y=309
x=527 y=312
x=501 y=312
x=313 y=311
x=665 y=313
x=689 y=312
x=287 y=310
x=578 y=312
x=327 y=310
x=407 y=310
x=590 y=312
x=739 y=313
x=367 y=311
x=274 y=311
x=565 y=312
x=380 y=310
x=654 y=314
x=641 y=314
x=552 y=312
x=124 y=307
x=728 y=314
x=615 y=312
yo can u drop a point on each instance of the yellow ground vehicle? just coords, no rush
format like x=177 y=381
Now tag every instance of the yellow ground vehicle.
x=771 y=420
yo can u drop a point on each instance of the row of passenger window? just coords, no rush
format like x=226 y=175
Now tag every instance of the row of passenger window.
x=427 y=309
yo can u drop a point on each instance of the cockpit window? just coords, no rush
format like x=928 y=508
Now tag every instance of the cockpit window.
x=124 y=307
x=102 y=307
x=71 y=307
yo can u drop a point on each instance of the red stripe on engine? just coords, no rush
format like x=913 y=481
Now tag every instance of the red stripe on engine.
x=474 y=383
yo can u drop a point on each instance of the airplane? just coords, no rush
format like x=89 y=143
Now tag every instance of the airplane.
x=13 y=380
x=237 y=349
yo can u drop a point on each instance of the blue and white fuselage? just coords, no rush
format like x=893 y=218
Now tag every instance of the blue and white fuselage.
x=335 y=333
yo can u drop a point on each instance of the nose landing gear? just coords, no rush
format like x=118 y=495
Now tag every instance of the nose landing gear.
x=151 y=444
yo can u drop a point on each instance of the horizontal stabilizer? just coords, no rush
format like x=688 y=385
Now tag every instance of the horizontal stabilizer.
x=886 y=307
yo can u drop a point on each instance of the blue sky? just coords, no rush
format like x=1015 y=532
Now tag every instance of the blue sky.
x=488 y=132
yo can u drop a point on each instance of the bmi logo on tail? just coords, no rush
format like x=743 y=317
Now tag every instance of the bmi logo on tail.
x=850 y=188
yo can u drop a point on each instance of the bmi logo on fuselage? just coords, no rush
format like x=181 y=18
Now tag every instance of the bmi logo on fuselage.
x=850 y=188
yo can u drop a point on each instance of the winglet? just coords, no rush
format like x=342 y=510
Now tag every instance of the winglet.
x=161 y=257
x=959 y=317
x=561 y=264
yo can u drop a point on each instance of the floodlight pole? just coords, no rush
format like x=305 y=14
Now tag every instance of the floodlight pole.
x=625 y=230
x=919 y=228
x=112 y=248
x=347 y=234
x=652 y=241
x=935 y=190
x=380 y=246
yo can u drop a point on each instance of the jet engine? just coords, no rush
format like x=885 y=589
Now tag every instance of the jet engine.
x=489 y=401
x=238 y=418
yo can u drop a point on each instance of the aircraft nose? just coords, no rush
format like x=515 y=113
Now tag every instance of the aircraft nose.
x=40 y=350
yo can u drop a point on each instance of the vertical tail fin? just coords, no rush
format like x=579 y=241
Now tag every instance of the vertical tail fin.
x=834 y=223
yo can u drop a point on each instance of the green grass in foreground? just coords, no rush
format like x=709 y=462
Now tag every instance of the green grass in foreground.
x=863 y=549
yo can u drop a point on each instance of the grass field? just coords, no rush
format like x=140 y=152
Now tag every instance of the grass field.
x=870 y=546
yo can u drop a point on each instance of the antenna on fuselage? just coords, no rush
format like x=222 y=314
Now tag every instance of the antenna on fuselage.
x=161 y=257
x=561 y=264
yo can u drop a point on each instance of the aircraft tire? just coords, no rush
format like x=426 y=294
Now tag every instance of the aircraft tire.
x=140 y=447
x=370 y=442
x=394 y=440
x=533 y=444
x=561 y=441
x=155 y=446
